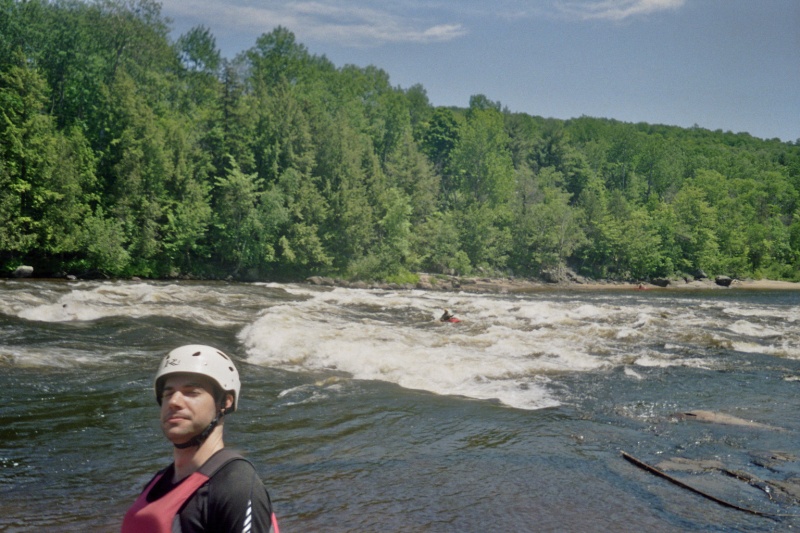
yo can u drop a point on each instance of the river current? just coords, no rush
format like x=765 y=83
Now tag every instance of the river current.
x=363 y=413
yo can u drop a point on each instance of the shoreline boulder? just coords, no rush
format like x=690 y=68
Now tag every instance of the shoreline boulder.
x=724 y=281
x=23 y=271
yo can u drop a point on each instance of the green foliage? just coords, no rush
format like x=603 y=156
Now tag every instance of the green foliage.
x=481 y=161
x=24 y=132
x=247 y=221
x=439 y=139
x=410 y=171
x=485 y=236
x=123 y=153
x=437 y=244
x=547 y=230
x=198 y=50
x=695 y=231
x=105 y=251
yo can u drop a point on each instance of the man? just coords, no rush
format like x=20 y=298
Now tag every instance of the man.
x=447 y=316
x=207 y=487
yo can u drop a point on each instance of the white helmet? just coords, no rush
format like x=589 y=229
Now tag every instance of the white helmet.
x=199 y=359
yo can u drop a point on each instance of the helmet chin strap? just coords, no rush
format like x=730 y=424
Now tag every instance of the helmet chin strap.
x=201 y=437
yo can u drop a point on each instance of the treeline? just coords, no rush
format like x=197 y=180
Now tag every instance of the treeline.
x=125 y=153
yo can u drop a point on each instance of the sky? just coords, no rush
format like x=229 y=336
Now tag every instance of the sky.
x=730 y=65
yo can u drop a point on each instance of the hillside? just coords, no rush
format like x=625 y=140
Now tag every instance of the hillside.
x=123 y=153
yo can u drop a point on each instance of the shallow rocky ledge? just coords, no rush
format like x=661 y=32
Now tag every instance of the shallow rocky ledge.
x=560 y=280
x=514 y=285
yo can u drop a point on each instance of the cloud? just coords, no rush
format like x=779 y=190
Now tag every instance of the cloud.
x=358 y=25
x=616 y=9
x=341 y=23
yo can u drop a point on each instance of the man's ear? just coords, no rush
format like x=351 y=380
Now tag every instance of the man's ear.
x=228 y=403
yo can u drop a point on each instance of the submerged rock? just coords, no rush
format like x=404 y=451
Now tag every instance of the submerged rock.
x=721 y=418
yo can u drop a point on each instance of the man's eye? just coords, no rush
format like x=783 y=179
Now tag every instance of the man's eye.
x=189 y=392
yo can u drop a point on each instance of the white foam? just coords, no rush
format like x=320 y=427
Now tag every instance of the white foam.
x=510 y=348
x=51 y=357
x=750 y=329
x=93 y=301
x=783 y=349
x=661 y=362
x=632 y=373
x=790 y=313
x=504 y=349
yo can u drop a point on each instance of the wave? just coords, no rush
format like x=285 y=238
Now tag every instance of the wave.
x=515 y=349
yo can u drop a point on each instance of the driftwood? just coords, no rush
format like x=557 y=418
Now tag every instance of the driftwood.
x=661 y=473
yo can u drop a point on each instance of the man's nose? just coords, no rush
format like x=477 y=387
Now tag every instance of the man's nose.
x=176 y=398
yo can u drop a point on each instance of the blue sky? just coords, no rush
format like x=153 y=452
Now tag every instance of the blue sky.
x=732 y=65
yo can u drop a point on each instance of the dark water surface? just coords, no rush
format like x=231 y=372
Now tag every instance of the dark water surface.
x=363 y=413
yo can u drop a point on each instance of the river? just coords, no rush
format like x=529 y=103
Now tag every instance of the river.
x=363 y=413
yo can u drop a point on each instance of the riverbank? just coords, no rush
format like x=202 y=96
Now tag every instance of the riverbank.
x=568 y=281
x=512 y=285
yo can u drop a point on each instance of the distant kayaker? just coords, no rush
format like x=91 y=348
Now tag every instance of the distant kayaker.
x=447 y=316
x=207 y=487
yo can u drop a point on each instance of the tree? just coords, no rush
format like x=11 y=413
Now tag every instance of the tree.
x=419 y=109
x=246 y=222
x=232 y=124
x=485 y=236
x=640 y=248
x=68 y=196
x=277 y=55
x=24 y=129
x=438 y=142
x=282 y=139
x=187 y=198
x=622 y=160
x=409 y=170
x=198 y=51
x=661 y=165
x=105 y=244
x=481 y=161
x=695 y=232
x=546 y=230
x=352 y=182
x=301 y=243
x=438 y=245
x=384 y=109
x=393 y=253
x=139 y=164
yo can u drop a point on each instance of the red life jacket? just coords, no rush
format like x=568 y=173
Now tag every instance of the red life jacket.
x=159 y=516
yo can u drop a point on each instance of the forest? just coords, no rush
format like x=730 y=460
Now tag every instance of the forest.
x=124 y=153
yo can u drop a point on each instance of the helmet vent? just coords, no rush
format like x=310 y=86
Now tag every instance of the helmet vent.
x=223 y=355
x=195 y=354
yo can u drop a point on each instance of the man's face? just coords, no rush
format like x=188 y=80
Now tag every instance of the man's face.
x=187 y=406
